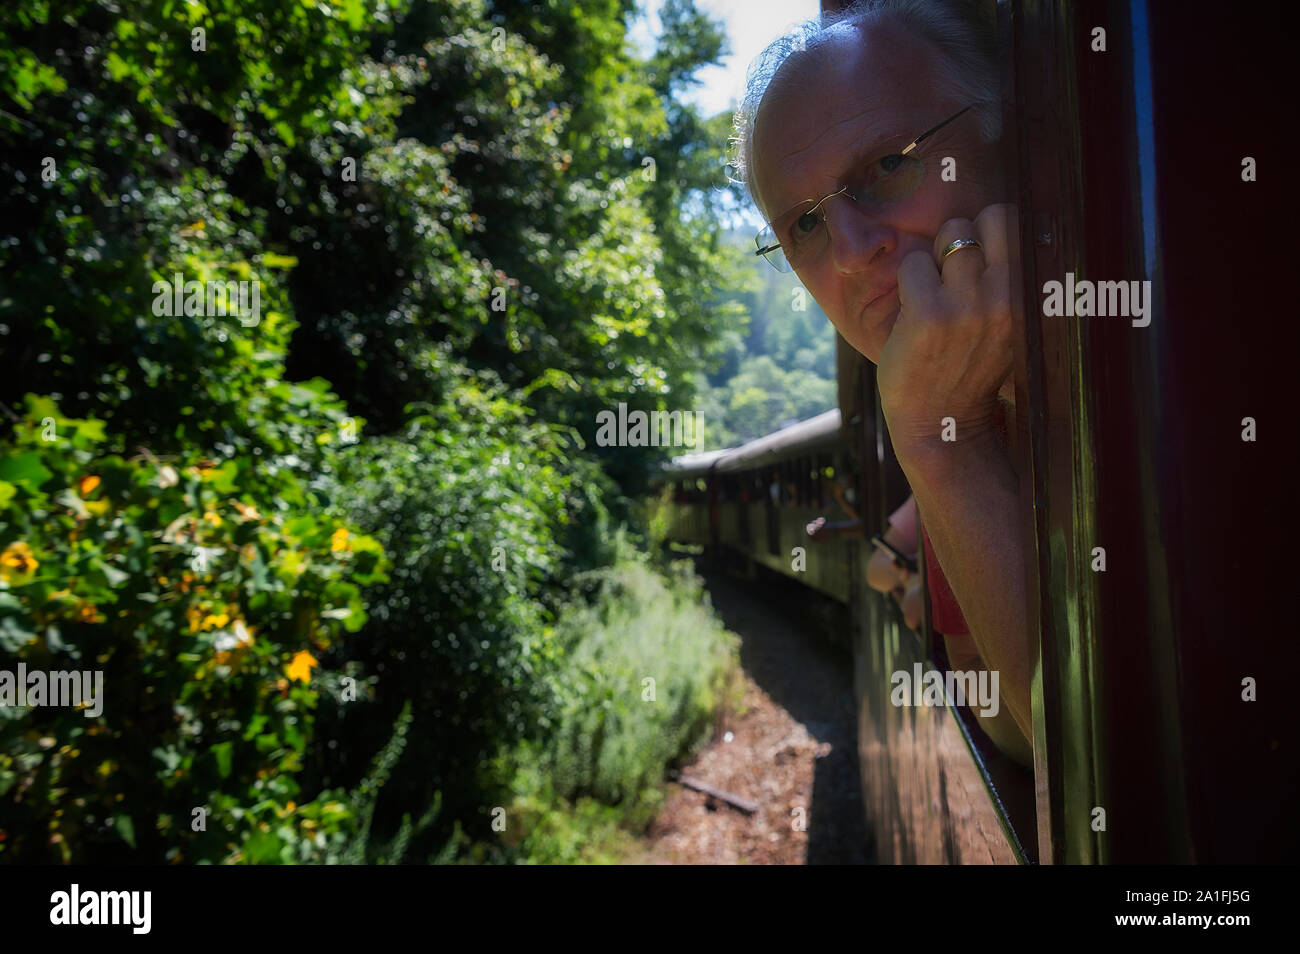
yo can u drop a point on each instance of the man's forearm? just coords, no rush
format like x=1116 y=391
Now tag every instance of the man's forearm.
x=968 y=496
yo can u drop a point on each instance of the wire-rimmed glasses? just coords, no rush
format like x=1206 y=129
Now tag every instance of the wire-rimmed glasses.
x=798 y=236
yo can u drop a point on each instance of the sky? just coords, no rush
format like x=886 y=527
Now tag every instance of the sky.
x=750 y=25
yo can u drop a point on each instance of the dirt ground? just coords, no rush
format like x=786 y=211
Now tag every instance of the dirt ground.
x=789 y=746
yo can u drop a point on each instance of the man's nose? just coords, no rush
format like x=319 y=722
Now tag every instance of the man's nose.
x=858 y=239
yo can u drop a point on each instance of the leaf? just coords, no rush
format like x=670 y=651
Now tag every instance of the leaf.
x=262 y=848
x=89 y=432
x=222 y=753
x=26 y=470
x=14 y=636
x=117 y=67
x=106 y=574
x=355 y=11
x=271 y=260
x=255 y=725
x=301 y=666
x=125 y=827
x=224 y=479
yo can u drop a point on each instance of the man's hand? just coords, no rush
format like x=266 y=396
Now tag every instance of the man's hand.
x=818 y=530
x=948 y=355
x=950 y=350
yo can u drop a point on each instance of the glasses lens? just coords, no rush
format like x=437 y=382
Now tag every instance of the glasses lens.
x=775 y=254
x=890 y=179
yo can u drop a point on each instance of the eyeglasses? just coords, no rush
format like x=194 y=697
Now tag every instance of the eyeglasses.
x=799 y=236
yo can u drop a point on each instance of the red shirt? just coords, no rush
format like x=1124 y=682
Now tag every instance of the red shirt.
x=945 y=614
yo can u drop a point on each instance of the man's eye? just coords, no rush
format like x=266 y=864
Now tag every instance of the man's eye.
x=891 y=178
x=805 y=224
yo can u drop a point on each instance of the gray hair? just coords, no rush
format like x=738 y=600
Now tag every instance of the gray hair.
x=965 y=37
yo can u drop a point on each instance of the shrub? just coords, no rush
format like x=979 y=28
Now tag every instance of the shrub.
x=207 y=654
x=474 y=501
x=619 y=731
x=602 y=764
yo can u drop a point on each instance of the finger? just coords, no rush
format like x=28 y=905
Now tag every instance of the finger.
x=997 y=229
x=964 y=265
x=918 y=282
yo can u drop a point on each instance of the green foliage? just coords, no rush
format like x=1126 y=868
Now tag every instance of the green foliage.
x=644 y=668
x=359 y=850
x=475 y=501
x=782 y=369
x=201 y=706
x=503 y=265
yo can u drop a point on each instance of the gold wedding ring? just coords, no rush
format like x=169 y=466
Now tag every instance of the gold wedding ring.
x=957 y=245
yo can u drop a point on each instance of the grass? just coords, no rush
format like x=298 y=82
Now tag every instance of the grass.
x=647 y=667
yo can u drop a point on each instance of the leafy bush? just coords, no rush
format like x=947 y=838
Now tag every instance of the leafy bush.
x=207 y=654
x=498 y=147
x=619 y=732
x=475 y=501
x=616 y=733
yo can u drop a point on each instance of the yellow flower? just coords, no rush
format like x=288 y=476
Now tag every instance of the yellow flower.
x=215 y=620
x=301 y=666
x=87 y=485
x=339 y=541
x=212 y=518
x=18 y=564
x=87 y=613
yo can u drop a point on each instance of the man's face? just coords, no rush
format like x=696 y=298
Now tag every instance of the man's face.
x=826 y=120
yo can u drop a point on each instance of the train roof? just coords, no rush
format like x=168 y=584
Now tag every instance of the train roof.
x=693 y=465
x=815 y=433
